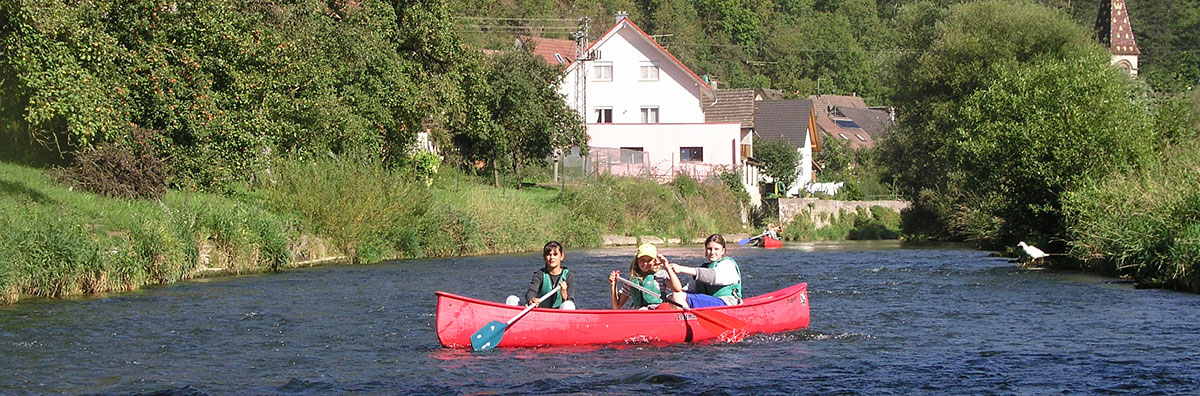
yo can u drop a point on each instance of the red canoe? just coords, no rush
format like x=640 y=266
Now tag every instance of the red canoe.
x=770 y=243
x=458 y=317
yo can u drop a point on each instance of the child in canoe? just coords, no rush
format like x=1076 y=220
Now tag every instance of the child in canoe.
x=714 y=284
x=554 y=273
x=646 y=271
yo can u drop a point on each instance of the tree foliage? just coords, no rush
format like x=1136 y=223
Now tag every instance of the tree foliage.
x=1016 y=107
x=780 y=160
x=228 y=86
x=519 y=118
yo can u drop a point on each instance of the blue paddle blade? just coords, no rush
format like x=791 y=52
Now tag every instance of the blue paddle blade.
x=488 y=336
x=744 y=241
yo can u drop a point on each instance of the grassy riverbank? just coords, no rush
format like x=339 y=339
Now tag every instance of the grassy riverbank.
x=58 y=242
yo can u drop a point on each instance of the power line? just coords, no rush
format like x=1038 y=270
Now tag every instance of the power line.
x=517 y=19
x=790 y=50
x=572 y=28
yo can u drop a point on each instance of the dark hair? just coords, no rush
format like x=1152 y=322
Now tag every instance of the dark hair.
x=555 y=245
x=715 y=238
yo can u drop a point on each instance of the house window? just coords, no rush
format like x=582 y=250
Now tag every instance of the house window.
x=650 y=115
x=649 y=72
x=559 y=58
x=603 y=115
x=691 y=154
x=603 y=71
x=632 y=155
x=843 y=136
x=860 y=137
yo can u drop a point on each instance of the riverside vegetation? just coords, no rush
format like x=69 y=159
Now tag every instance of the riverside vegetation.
x=292 y=125
x=59 y=242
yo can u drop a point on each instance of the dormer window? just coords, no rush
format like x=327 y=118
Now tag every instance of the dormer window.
x=602 y=71
x=649 y=72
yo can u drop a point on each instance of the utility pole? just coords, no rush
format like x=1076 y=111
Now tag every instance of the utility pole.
x=581 y=59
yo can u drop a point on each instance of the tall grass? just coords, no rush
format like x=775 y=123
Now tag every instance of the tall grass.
x=684 y=208
x=55 y=242
x=1143 y=224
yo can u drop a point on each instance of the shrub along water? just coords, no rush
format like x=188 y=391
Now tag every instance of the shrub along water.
x=1143 y=224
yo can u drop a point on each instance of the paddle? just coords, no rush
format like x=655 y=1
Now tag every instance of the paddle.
x=715 y=322
x=747 y=240
x=489 y=336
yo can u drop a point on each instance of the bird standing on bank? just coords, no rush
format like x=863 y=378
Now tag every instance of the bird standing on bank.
x=1033 y=252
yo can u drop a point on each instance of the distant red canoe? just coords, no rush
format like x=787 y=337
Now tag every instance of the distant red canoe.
x=769 y=243
x=458 y=317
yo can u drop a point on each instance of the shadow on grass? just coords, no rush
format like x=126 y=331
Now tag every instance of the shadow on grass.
x=17 y=190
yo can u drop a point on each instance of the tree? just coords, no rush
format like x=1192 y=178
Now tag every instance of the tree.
x=780 y=160
x=528 y=119
x=836 y=157
x=983 y=81
x=1039 y=131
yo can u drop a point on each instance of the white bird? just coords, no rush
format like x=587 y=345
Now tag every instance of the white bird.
x=1032 y=251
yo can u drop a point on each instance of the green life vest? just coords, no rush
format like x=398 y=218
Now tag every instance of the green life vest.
x=546 y=286
x=640 y=298
x=722 y=291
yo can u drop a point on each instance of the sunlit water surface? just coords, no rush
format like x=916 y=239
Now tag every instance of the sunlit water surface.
x=887 y=318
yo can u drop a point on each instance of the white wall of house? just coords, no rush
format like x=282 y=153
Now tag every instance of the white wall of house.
x=674 y=92
x=663 y=143
x=804 y=170
x=632 y=94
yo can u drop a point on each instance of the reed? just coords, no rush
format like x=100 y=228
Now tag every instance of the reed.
x=1143 y=224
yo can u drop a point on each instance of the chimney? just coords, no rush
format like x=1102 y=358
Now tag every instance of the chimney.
x=621 y=15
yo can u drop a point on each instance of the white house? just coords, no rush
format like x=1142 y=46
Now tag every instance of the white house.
x=638 y=100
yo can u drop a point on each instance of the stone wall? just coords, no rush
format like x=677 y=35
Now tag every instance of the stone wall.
x=822 y=210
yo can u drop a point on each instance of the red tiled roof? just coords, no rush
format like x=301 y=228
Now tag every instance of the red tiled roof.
x=828 y=117
x=732 y=105
x=546 y=48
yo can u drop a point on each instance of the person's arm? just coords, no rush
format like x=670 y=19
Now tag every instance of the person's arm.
x=725 y=273
x=672 y=276
x=615 y=289
x=531 y=295
x=564 y=283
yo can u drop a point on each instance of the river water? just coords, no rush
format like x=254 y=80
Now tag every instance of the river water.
x=887 y=318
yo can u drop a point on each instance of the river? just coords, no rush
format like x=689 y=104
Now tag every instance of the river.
x=887 y=318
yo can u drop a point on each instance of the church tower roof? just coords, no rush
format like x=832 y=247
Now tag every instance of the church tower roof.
x=1113 y=28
